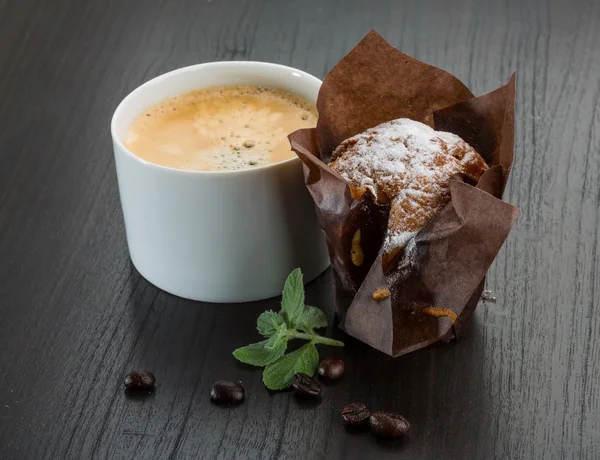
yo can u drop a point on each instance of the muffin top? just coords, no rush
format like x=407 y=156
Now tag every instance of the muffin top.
x=408 y=165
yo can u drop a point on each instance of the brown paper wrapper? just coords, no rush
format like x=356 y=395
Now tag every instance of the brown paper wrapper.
x=446 y=265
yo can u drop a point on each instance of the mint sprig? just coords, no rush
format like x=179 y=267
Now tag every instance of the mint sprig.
x=295 y=321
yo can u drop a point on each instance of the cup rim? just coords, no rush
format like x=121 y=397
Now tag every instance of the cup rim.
x=160 y=78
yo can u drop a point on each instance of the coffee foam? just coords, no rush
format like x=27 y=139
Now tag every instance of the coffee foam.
x=220 y=128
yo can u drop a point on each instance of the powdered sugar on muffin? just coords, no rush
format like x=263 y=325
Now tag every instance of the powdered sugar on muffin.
x=408 y=165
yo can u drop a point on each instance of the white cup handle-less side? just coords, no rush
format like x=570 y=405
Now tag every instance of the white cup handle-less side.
x=217 y=236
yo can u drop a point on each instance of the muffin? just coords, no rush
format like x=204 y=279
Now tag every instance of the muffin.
x=406 y=165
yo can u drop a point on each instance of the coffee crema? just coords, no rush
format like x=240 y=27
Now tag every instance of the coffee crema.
x=221 y=128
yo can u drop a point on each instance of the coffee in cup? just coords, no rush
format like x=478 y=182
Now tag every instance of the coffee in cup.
x=218 y=235
x=221 y=128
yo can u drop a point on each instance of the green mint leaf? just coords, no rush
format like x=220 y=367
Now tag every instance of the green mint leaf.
x=268 y=322
x=278 y=375
x=311 y=318
x=292 y=302
x=281 y=335
x=259 y=354
x=295 y=321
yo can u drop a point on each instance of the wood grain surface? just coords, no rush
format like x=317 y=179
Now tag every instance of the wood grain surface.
x=75 y=316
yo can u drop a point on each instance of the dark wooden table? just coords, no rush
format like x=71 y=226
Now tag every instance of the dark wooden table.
x=75 y=315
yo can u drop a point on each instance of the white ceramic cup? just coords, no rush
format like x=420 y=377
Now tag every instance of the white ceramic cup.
x=217 y=236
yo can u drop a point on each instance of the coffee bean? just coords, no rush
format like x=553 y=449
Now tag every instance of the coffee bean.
x=355 y=414
x=304 y=385
x=331 y=368
x=388 y=425
x=224 y=392
x=139 y=380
